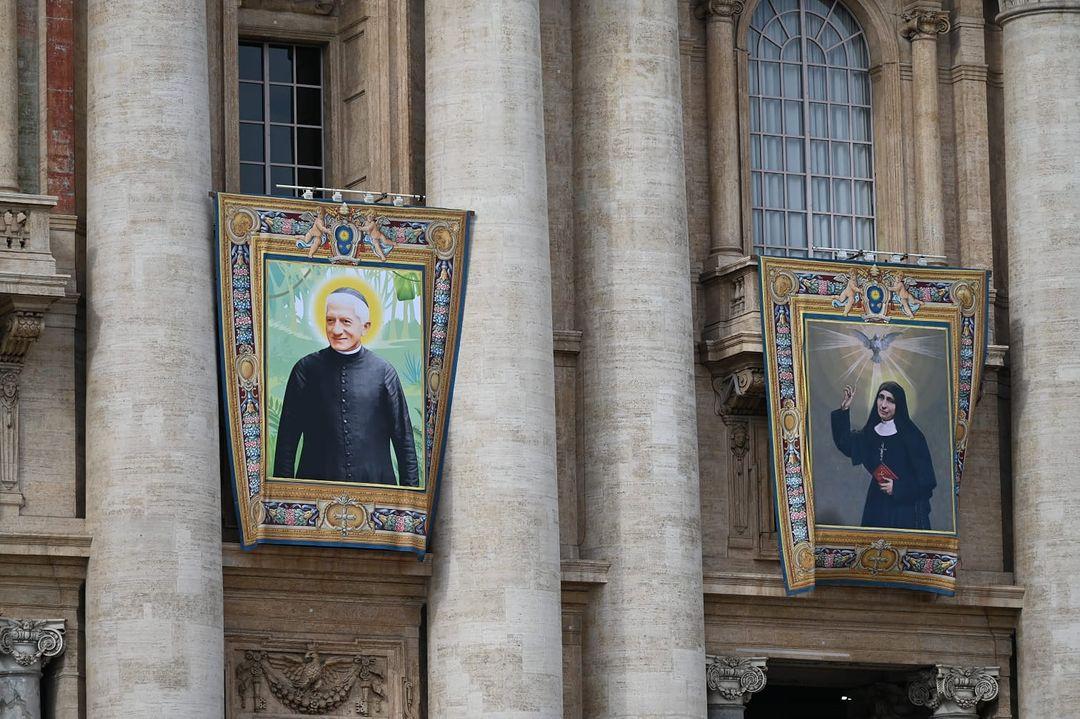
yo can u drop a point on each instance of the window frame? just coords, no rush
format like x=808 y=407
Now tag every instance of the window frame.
x=890 y=75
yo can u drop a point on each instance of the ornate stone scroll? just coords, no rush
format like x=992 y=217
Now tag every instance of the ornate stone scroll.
x=923 y=23
x=26 y=645
x=954 y=692
x=730 y=682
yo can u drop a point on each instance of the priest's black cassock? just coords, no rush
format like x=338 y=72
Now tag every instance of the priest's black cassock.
x=349 y=408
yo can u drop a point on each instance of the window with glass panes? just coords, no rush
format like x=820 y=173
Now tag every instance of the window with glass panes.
x=281 y=117
x=811 y=151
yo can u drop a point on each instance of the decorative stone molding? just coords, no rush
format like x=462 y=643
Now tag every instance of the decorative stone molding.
x=1011 y=9
x=924 y=23
x=19 y=328
x=718 y=9
x=26 y=645
x=732 y=680
x=13 y=229
x=317 y=682
x=954 y=691
x=740 y=393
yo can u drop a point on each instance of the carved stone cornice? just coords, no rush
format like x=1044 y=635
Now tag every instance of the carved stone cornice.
x=924 y=23
x=28 y=644
x=732 y=680
x=718 y=9
x=954 y=691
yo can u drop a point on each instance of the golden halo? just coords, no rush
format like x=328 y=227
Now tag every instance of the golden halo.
x=336 y=282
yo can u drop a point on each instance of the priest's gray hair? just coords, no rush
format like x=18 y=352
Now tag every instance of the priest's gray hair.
x=355 y=298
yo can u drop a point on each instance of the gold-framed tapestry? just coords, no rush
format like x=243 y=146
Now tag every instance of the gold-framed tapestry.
x=872 y=373
x=338 y=334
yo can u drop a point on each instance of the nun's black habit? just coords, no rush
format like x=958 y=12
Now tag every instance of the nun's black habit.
x=904 y=454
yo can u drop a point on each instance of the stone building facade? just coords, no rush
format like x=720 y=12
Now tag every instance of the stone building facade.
x=605 y=541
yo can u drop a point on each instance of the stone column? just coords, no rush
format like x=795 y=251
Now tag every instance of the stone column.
x=731 y=681
x=644 y=628
x=955 y=692
x=26 y=645
x=495 y=636
x=1041 y=46
x=9 y=109
x=153 y=589
x=922 y=27
x=725 y=205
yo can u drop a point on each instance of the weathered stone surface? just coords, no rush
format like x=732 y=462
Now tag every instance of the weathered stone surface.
x=1042 y=146
x=495 y=636
x=154 y=603
x=643 y=645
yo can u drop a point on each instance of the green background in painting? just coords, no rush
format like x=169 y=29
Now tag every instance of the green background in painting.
x=292 y=332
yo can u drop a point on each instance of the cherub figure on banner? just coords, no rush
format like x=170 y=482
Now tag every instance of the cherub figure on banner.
x=847 y=299
x=372 y=226
x=900 y=287
x=318 y=235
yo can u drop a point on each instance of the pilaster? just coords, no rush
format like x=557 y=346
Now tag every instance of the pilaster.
x=954 y=692
x=725 y=204
x=731 y=682
x=9 y=108
x=922 y=25
x=26 y=645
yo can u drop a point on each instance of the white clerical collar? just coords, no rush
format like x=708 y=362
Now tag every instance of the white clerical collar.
x=886 y=429
x=350 y=352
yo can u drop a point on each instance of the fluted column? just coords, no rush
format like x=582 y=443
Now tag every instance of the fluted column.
x=26 y=646
x=495 y=639
x=725 y=205
x=731 y=683
x=153 y=593
x=922 y=27
x=643 y=632
x=954 y=692
x=9 y=108
x=1041 y=45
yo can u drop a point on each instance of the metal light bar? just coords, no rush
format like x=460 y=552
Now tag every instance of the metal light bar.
x=368 y=196
x=872 y=255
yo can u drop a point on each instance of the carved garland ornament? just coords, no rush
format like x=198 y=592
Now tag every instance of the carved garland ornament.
x=310 y=683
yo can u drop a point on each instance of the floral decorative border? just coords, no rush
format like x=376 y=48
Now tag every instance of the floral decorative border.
x=791 y=287
x=317 y=512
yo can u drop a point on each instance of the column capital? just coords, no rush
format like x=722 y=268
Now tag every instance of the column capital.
x=731 y=680
x=718 y=9
x=924 y=23
x=951 y=691
x=29 y=643
x=1011 y=9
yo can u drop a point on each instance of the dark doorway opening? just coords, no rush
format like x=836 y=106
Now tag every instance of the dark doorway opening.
x=798 y=690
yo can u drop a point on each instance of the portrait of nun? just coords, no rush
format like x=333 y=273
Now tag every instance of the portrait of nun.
x=895 y=455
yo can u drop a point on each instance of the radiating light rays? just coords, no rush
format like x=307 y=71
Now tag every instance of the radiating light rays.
x=868 y=355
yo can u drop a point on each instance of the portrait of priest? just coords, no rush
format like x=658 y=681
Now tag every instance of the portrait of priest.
x=347 y=405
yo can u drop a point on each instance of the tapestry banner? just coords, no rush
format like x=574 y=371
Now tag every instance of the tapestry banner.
x=872 y=372
x=339 y=326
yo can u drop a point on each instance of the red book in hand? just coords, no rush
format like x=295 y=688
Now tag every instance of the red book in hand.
x=883 y=473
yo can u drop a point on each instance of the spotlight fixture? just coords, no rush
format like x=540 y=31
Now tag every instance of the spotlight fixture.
x=336 y=197
x=369 y=198
x=842 y=254
x=399 y=201
x=870 y=256
x=921 y=262
x=896 y=258
x=309 y=194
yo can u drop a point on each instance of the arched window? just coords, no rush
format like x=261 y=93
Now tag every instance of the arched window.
x=811 y=152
